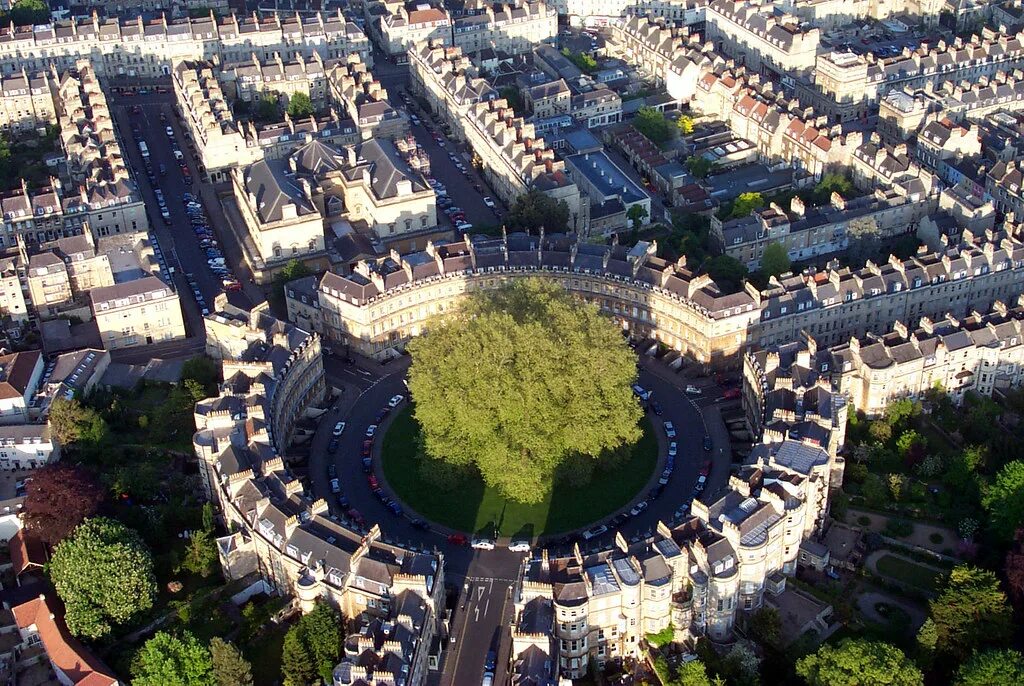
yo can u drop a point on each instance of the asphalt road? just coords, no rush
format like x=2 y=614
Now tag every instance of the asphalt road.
x=484 y=577
x=178 y=242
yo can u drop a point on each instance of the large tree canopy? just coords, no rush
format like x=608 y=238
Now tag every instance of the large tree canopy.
x=104 y=574
x=971 y=612
x=859 y=662
x=535 y=209
x=520 y=379
x=992 y=668
x=169 y=660
x=1004 y=499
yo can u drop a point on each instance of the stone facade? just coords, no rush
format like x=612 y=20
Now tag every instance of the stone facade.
x=378 y=307
x=139 y=48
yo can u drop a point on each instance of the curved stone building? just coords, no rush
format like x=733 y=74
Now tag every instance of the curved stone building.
x=377 y=308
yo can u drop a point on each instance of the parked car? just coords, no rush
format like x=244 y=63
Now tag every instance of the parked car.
x=335 y=486
x=665 y=476
x=395 y=401
x=731 y=394
x=638 y=508
x=332 y=471
x=489 y=202
x=656 y=407
x=372 y=480
x=339 y=429
x=708 y=444
x=672 y=449
x=670 y=430
x=371 y=430
x=457 y=539
x=693 y=390
x=421 y=524
x=332 y=447
x=482 y=544
x=519 y=546
x=594 y=532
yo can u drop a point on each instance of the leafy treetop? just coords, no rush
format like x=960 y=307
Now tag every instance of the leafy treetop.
x=859 y=662
x=520 y=380
x=104 y=574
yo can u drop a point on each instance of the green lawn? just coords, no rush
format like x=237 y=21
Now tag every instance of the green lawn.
x=908 y=572
x=473 y=507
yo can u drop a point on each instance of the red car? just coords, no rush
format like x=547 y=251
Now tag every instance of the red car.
x=731 y=393
x=705 y=468
x=457 y=539
x=372 y=480
x=356 y=516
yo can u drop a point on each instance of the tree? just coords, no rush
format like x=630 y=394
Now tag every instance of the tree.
x=268 y=109
x=296 y=662
x=104 y=574
x=701 y=167
x=203 y=371
x=1004 y=500
x=535 y=209
x=169 y=660
x=741 y=666
x=512 y=95
x=321 y=633
x=896 y=486
x=300 y=106
x=992 y=668
x=57 y=499
x=831 y=183
x=1014 y=569
x=727 y=272
x=71 y=422
x=745 y=204
x=520 y=379
x=294 y=269
x=970 y=613
x=880 y=430
x=859 y=662
x=636 y=215
x=685 y=124
x=775 y=261
x=664 y=636
x=652 y=123
x=201 y=554
x=229 y=667
x=692 y=673
x=29 y=12
x=862 y=236
x=766 y=625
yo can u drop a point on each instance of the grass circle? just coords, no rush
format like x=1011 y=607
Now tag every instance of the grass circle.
x=473 y=507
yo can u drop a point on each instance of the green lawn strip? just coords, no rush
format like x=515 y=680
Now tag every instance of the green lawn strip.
x=473 y=507
x=908 y=572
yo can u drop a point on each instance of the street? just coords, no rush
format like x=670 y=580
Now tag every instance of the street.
x=177 y=241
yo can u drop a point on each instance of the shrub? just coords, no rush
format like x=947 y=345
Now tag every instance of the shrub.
x=899 y=528
x=936 y=538
x=864 y=520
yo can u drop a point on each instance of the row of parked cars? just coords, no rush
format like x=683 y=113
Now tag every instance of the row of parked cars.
x=208 y=243
x=367 y=461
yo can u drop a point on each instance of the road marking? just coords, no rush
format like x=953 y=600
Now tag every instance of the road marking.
x=476 y=613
